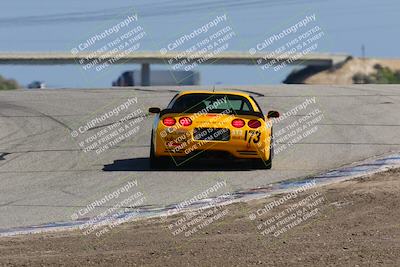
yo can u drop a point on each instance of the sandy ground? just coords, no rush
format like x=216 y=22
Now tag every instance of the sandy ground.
x=353 y=223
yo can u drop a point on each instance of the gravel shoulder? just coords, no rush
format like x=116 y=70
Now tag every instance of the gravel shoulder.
x=356 y=223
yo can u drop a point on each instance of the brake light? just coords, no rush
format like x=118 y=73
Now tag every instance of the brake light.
x=238 y=123
x=254 y=123
x=185 y=121
x=169 y=121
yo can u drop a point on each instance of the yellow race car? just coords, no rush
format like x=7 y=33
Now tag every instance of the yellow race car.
x=212 y=125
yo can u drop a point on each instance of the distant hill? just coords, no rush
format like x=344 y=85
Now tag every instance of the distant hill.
x=346 y=72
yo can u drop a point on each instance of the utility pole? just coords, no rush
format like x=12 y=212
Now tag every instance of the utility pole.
x=363 y=51
x=363 y=59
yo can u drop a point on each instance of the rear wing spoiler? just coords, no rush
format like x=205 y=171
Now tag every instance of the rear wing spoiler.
x=250 y=113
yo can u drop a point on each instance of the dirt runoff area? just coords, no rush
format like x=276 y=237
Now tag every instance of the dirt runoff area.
x=352 y=223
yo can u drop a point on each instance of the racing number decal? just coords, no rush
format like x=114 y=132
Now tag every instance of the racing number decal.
x=237 y=132
x=251 y=135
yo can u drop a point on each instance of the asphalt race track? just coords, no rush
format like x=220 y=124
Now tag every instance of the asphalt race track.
x=45 y=176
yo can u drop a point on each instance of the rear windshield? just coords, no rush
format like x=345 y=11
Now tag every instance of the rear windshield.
x=215 y=103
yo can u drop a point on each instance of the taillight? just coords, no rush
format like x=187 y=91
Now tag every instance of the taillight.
x=254 y=123
x=169 y=121
x=238 y=123
x=185 y=121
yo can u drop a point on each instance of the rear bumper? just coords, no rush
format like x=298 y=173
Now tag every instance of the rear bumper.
x=214 y=149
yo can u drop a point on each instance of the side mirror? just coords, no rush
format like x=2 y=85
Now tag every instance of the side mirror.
x=154 y=110
x=273 y=114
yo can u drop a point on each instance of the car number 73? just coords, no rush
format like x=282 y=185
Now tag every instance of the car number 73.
x=252 y=135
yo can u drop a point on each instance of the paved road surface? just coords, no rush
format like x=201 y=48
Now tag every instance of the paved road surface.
x=45 y=176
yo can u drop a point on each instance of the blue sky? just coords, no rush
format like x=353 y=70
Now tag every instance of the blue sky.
x=49 y=25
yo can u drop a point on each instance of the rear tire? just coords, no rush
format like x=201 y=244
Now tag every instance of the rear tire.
x=157 y=162
x=261 y=164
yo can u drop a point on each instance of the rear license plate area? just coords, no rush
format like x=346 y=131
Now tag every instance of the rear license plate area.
x=211 y=134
